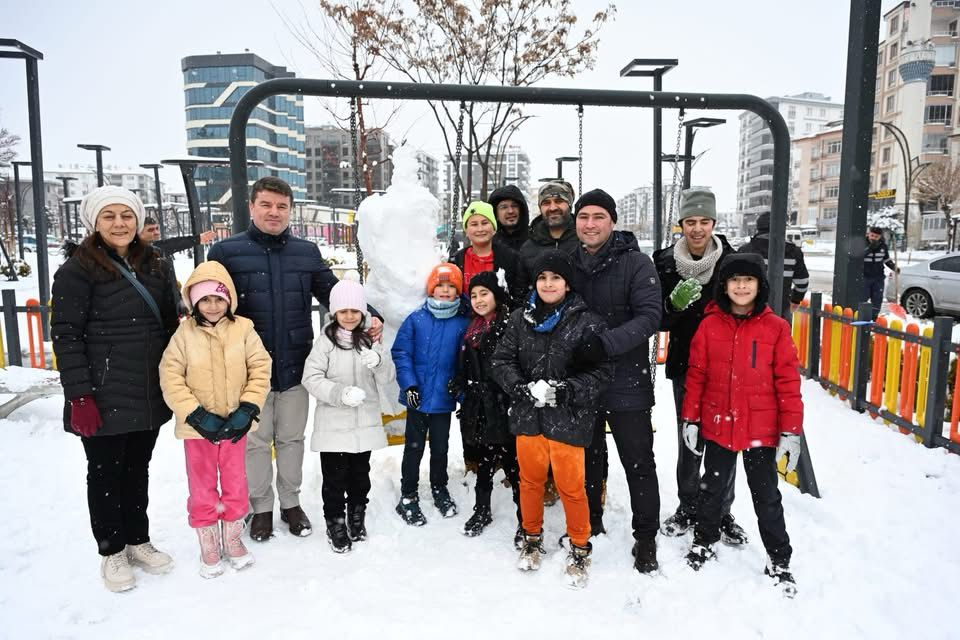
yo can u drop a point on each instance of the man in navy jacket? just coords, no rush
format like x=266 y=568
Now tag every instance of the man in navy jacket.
x=276 y=276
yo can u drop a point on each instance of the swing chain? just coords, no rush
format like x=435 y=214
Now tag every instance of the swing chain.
x=580 y=152
x=354 y=138
x=455 y=203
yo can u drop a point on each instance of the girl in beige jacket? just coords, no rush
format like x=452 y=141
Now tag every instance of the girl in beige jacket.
x=215 y=376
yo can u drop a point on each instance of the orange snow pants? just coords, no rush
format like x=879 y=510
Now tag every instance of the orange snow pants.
x=536 y=454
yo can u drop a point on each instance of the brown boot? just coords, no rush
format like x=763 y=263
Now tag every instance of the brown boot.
x=297 y=520
x=261 y=526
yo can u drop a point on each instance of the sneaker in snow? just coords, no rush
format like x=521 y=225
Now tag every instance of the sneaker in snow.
x=409 y=510
x=699 y=554
x=356 y=523
x=731 y=533
x=444 y=503
x=531 y=553
x=476 y=523
x=678 y=524
x=149 y=558
x=578 y=562
x=233 y=548
x=116 y=572
x=337 y=535
x=645 y=555
x=210 y=545
x=780 y=572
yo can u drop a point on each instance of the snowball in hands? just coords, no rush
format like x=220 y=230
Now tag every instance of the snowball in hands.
x=352 y=396
x=539 y=390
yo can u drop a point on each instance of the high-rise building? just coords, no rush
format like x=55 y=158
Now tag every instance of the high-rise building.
x=635 y=210
x=805 y=114
x=212 y=86
x=428 y=172
x=330 y=177
x=817 y=175
x=510 y=167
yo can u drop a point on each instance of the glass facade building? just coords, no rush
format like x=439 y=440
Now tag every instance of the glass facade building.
x=212 y=86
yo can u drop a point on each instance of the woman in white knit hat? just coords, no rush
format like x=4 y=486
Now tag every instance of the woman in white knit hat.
x=113 y=313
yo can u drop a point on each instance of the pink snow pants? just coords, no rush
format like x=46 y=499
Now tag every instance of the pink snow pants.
x=205 y=505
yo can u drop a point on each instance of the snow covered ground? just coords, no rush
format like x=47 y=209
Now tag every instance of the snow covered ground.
x=873 y=559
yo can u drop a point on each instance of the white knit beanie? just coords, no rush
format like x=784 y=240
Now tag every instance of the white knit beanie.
x=347 y=294
x=96 y=200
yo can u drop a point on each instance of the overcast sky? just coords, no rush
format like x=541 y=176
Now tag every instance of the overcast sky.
x=111 y=75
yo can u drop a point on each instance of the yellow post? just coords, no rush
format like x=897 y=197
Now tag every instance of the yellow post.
x=795 y=330
x=924 y=374
x=892 y=377
x=3 y=353
x=836 y=333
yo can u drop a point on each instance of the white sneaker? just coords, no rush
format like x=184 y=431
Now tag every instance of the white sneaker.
x=233 y=547
x=116 y=572
x=149 y=558
x=210 y=565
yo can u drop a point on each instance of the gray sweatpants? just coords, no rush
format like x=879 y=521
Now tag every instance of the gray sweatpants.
x=283 y=421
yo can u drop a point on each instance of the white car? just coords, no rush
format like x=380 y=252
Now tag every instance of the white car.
x=930 y=287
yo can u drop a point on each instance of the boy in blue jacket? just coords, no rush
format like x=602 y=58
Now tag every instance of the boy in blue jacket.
x=425 y=354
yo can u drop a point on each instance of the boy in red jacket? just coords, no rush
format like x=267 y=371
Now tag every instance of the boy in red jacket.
x=743 y=394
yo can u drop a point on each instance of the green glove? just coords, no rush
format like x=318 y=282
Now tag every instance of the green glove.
x=685 y=294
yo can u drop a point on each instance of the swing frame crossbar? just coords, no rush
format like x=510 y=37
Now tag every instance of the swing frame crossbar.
x=526 y=95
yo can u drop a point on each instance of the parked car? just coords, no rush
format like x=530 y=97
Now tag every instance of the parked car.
x=929 y=287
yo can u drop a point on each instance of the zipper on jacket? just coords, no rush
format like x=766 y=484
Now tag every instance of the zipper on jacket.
x=753 y=355
x=106 y=366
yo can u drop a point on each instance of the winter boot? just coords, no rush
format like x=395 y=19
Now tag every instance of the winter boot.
x=532 y=552
x=261 y=526
x=233 y=548
x=782 y=578
x=116 y=572
x=337 y=535
x=476 y=523
x=678 y=524
x=731 y=533
x=210 y=543
x=409 y=510
x=356 y=522
x=699 y=554
x=444 y=503
x=645 y=555
x=149 y=558
x=578 y=562
x=518 y=538
x=297 y=520
x=596 y=525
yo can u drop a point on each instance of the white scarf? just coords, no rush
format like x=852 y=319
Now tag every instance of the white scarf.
x=701 y=269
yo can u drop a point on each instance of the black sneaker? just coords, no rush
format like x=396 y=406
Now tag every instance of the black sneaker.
x=337 y=535
x=699 y=554
x=645 y=555
x=731 y=533
x=356 y=525
x=409 y=510
x=518 y=538
x=782 y=578
x=476 y=523
x=678 y=524
x=444 y=503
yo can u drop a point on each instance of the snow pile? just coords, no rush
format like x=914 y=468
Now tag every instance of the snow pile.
x=17 y=379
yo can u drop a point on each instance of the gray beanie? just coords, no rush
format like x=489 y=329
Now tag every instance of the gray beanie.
x=698 y=201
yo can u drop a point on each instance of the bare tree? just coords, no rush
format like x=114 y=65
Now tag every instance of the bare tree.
x=939 y=185
x=7 y=143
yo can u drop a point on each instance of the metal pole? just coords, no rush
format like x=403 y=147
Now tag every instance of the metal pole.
x=36 y=169
x=855 y=155
x=657 y=167
x=193 y=202
x=14 y=355
x=19 y=201
x=688 y=155
x=939 y=373
x=99 y=168
x=560 y=169
x=156 y=188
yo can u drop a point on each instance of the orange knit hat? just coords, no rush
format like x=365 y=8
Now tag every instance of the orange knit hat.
x=445 y=272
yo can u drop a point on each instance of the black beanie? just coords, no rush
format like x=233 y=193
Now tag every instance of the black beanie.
x=490 y=280
x=557 y=262
x=742 y=264
x=600 y=198
x=763 y=222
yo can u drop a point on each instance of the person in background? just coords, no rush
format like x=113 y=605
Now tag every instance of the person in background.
x=875 y=258
x=796 y=278
x=513 y=216
x=151 y=236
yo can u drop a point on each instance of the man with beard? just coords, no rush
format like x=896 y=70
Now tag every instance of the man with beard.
x=513 y=216
x=552 y=229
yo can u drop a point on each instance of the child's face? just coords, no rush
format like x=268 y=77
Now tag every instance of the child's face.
x=212 y=308
x=742 y=290
x=348 y=319
x=482 y=300
x=551 y=287
x=445 y=292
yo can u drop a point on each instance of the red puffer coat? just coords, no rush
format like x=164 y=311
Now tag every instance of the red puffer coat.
x=743 y=382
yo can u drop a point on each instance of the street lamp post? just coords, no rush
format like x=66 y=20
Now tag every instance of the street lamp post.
x=159 y=195
x=99 y=149
x=912 y=167
x=560 y=162
x=691 y=127
x=655 y=68
x=66 y=207
x=19 y=201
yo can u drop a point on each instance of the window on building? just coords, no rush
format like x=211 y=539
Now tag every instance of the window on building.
x=833 y=191
x=946 y=55
x=934 y=143
x=815 y=173
x=814 y=194
x=890 y=104
x=833 y=170
x=884 y=180
x=891 y=78
x=807 y=127
x=829 y=213
x=894 y=24
x=876 y=108
x=792 y=112
x=892 y=52
x=880 y=57
x=823 y=113
x=814 y=151
x=885 y=156
x=940 y=85
x=809 y=111
x=834 y=147
x=938 y=114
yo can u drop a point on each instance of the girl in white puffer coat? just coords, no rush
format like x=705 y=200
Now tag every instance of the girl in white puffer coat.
x=351 y=378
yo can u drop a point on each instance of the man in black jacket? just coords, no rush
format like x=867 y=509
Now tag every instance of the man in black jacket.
x=276 y=275
x=151 y=236
x=619 y=283
x=688 y=273
x=552 y=229
x=796 y=278
x=875 y=258
x=513 y=216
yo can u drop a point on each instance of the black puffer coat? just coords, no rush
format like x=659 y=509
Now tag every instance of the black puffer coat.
x=620 y=284
x=525 y=356
x=515 y=236
x=483 y=415
x=683 y=324
x=108 y=343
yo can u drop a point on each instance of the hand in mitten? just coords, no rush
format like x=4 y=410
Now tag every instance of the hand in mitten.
x=239 y=422
x=789 y=446
x=691 y=437
x=685 y=293
x=557 y=394
x=454 y=388
x=526 y=391
x=207 y=424
x=590 y=351
x=353 y=396
x=369 y=358
x=413 y=398
x=85 y=416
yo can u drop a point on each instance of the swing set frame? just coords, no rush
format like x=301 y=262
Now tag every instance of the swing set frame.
x=526 y=95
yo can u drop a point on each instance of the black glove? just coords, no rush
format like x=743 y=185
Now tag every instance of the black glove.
x=207 y=424
x=590 y=351
x=557 y=395
x=413 y=398
x=454 y=388
x=239 y=422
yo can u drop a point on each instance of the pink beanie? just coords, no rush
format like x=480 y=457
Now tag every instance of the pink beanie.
x=208 y=288
x=347 y=294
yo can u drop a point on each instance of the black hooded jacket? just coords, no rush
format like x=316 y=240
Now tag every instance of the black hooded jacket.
x=483 y=416
x=513 y=237
x=539 y=241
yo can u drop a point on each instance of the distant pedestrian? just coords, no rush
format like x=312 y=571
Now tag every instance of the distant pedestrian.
x=796 y=278
x=875 y=258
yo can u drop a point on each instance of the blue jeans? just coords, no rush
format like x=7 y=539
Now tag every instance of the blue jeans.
x=437 y=425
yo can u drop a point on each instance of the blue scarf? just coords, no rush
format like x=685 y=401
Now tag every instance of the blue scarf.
x=443 y=309
x=549 y=323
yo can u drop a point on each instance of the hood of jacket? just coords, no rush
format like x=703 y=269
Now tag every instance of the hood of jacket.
x=540 y=233
x=511 y=192
x=754 y=263
x=210 y=270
